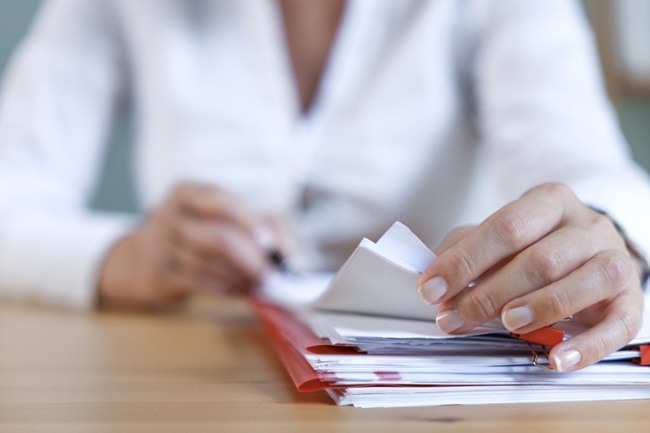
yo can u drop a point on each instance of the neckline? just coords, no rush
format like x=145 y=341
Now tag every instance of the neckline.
x=323 y=95
x=340 y=76
x=316 y=90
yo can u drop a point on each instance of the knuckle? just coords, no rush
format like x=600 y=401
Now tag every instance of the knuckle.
x=481 y=305
x=559 y=305
x=602 y=224
x=510 y=229
x=463 y=265
x=616 y=269
x=599 y=346
x=190 y=196
x=628 y=323
x=625 y=327
x=548 y=265
x=178 y=197
x=181 y=189
x=558 y=192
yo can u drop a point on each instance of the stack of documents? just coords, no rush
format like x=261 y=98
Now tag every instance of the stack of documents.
x=365 y=337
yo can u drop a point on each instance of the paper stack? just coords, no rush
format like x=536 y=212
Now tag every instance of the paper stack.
x=364 y=336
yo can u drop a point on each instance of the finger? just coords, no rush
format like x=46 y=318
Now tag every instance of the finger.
x=209 y=202
x=603 y=277
x=179 y=253
x=541 y=264
x=555 y=256
x=184 y=261
x=224 y=243
x=620 y=324
x=505 y=233
x=452 y=238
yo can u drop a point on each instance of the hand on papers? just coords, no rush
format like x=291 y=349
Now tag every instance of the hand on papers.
x=537 y=261
x=200 y=239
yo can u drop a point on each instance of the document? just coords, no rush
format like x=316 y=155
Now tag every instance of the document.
x=378 y=279
x=365 y=337
x=381 y=278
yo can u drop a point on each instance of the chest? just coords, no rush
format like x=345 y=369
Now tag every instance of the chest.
x=217 y=93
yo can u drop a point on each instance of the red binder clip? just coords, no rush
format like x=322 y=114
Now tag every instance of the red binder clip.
x=644 y=355
x=545 y=337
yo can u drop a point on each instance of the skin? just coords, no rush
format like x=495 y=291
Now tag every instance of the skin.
x=536 y=261
x=310 y=29
x=200 y=240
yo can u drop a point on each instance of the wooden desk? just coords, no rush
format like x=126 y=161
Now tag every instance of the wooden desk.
x=209 y=368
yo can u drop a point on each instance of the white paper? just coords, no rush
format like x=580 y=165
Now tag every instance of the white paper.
x=370 y=397
x=381 y=279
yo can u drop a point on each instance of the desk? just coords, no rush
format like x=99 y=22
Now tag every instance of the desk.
x=209 y=368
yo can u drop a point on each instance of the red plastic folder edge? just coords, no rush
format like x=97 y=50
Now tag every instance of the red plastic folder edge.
x=292 y=329
x=276 y=322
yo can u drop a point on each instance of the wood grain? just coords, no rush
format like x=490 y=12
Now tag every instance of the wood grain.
x=209 y=368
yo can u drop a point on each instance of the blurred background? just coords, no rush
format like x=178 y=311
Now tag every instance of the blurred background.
x=115 y=191
x=622 y=29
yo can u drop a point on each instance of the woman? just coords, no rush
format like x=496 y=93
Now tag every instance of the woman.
x=340 y=118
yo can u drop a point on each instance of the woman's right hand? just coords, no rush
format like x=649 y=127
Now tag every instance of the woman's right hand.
x=201 y=239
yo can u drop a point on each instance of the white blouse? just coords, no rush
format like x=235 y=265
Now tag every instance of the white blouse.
x=432 y=112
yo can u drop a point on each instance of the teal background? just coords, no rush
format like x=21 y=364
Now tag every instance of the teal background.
x=115 y=190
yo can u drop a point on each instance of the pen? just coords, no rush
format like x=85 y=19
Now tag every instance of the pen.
x=279 y=261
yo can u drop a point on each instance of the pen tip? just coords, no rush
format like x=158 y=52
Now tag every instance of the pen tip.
x=279 y=261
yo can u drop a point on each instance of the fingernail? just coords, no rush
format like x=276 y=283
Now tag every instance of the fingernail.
x=450 y=321
x=516 y=318
x=565 y=360
x=433 y=290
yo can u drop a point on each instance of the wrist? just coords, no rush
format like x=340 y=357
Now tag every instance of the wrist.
x=122 y=271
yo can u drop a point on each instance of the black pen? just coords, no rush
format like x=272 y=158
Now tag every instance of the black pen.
x=279 y=261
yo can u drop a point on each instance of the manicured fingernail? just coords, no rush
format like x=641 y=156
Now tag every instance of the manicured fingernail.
x=565 y=360
x=433 y=290
x=516 y=318
x=450 y=321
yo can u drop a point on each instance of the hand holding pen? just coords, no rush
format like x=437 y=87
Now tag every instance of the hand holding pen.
x=201 y=239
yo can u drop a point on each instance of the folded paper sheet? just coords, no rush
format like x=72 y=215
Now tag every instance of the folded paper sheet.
x=381 y=279
x=378 y=279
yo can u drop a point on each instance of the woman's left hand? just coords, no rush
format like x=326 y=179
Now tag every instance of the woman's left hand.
x=536 y=261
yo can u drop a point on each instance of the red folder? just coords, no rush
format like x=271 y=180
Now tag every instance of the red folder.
x=292 y=339
x=292 y=329
x=281 y=328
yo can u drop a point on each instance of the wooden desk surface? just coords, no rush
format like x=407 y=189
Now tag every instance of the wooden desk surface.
x=209 y=368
